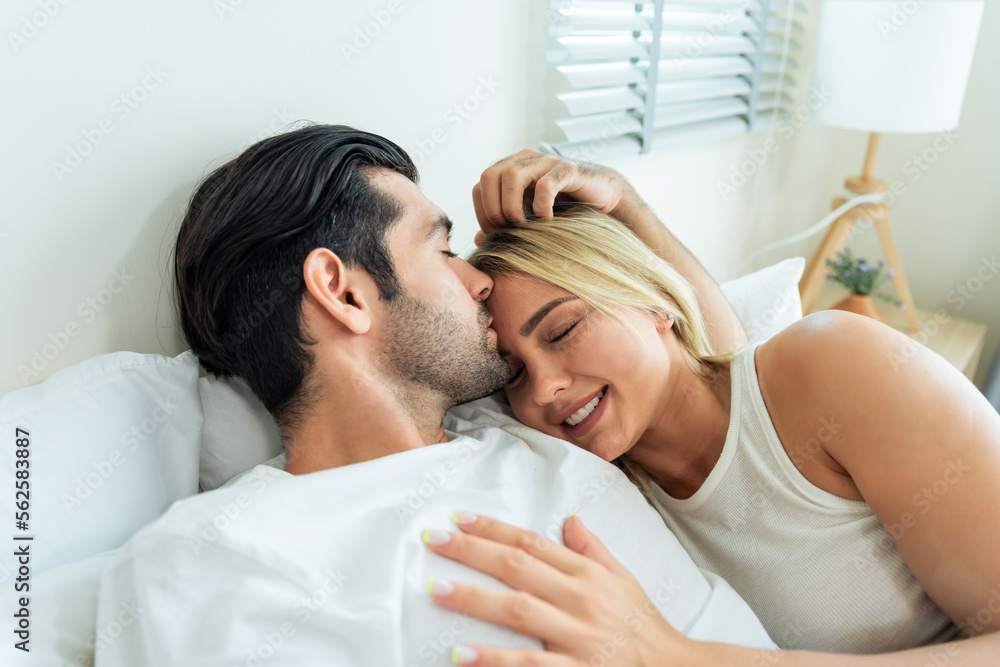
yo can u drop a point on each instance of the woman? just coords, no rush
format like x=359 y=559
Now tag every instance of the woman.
x=777 y=465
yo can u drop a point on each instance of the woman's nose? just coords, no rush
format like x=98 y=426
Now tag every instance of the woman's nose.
x=549 y=383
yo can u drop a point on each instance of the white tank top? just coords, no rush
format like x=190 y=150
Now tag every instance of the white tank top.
x=819 y=570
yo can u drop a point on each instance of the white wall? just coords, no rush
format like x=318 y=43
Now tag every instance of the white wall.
x=231 y=72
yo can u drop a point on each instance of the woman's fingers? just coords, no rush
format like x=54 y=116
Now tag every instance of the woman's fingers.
x=491 y=215
x=512 y=565
x=486 y=656
x=545 y=550
x=582 y=541
x=515 y=179
x=530 y=179
x=557 y=179
x=574 y=603
x=502 y=188
x=519 y=611
x=485 y=224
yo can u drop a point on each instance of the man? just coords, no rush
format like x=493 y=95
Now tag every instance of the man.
x=314 y=268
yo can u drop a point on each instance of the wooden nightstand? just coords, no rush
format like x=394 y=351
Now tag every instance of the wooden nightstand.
x=959 y=341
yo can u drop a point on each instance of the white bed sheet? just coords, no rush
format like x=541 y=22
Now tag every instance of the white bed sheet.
x=329 y=567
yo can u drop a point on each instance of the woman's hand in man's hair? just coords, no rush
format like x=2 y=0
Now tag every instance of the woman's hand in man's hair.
x=535 y=181
x=532 y=181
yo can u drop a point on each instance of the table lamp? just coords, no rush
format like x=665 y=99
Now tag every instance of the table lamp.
x=888 y=66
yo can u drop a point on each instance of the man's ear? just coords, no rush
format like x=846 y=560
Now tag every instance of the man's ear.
x=337 y=290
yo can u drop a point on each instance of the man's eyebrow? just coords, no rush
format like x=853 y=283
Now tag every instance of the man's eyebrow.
x=537 y=318
x=439 y=224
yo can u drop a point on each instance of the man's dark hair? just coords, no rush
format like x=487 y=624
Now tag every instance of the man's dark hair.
x=244 y=239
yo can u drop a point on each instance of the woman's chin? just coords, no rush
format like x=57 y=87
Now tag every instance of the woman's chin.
x=605 y=448
x=603 y=445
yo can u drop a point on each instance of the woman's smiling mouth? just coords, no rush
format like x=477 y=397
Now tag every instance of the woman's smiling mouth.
x=580 y=420
x=585 y=411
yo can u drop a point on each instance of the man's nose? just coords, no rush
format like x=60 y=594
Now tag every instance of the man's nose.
x=476 y=282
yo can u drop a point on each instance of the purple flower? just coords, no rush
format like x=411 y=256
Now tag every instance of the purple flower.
x=902 y=305
x=839 y=262
x=865 y=268
x=881 y=262
x=890 y=273
x=847 y=274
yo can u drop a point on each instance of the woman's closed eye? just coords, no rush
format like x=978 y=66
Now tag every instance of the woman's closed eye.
x=565 y=332
x=517 y=369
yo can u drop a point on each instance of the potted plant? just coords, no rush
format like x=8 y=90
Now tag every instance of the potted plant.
x=862 y=279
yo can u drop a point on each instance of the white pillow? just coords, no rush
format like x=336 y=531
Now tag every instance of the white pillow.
x=113 y=441
x=767 y=300
x=240 y=434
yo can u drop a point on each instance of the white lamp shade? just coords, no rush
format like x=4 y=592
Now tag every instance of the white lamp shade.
x=898 y=66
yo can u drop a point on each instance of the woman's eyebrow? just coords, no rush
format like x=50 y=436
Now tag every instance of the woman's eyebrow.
x=537 y=318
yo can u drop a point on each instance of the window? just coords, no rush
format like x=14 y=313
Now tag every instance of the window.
x=629 y=77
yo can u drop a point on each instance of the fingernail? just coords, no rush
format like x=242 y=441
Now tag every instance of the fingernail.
x=463 y=517
x=439 y=587
x=435 y=536
x=463 y=655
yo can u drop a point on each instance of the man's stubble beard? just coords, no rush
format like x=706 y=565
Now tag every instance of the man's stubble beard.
x=431 y=348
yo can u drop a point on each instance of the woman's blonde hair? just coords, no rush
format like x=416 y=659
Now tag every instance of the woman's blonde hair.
x=596 y=258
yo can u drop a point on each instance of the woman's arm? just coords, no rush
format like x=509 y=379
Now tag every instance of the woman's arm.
x=583 y=604
x=499 y=199
x=918 y=440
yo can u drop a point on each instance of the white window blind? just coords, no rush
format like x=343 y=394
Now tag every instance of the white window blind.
x=628 y=77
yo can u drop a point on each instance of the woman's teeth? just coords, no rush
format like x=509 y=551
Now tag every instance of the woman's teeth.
x=582 y=413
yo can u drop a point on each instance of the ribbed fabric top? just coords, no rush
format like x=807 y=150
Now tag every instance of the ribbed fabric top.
x=819 y=570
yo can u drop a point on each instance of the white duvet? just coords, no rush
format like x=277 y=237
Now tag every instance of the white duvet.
x=328 y=568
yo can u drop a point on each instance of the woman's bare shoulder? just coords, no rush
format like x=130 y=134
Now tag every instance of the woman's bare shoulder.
x=881 y=389
x=805 y=375
x=830 y=345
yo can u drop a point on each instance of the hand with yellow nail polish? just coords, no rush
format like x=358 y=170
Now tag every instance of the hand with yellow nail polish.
x=577 y=598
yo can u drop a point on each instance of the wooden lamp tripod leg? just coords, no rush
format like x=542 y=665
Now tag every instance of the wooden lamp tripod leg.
x=837 y=234
x=893 y=261
x=833 y=242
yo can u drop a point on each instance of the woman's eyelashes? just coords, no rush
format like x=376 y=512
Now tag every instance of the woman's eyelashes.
x=565 y=332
